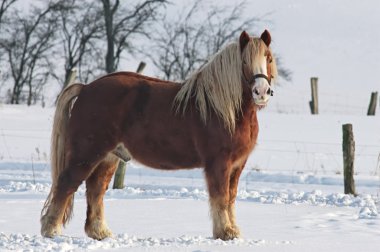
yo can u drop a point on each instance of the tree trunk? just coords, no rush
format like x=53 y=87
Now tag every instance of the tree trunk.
x=16 y=94
x=108 y=18
x=30 y=94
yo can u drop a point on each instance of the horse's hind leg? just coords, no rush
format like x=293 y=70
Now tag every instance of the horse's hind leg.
x=97 y=185
x=217 y=176
x=52 y=219
x=80 y=164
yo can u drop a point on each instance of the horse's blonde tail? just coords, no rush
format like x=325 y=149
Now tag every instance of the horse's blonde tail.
x=58 y=138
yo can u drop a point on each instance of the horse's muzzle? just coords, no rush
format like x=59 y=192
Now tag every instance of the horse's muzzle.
x=261 y=102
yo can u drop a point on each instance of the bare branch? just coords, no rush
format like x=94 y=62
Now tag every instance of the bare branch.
x=184 y=43
x=81 y=25
x=29 y=40
x=4 y=7
x=122 y=23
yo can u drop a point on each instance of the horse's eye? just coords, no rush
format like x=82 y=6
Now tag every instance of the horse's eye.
x=244 y=62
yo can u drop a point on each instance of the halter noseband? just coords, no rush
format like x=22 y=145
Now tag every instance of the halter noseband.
x=256 y=76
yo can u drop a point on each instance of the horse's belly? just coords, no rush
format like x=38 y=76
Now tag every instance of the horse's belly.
x=164 y=154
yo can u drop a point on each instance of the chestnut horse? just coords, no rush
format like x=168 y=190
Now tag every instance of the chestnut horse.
x=207 y=121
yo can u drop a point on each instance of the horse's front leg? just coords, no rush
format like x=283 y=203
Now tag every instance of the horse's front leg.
x=234 y=180
x=218 y=181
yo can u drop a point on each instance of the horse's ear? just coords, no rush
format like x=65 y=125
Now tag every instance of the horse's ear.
x=244 y=39
x=265 y=36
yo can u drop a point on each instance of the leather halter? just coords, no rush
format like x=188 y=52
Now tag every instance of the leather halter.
x=256 y=76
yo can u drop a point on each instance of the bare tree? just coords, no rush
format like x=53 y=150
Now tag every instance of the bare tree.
x=80 y=27
x=27 y=42
x=4 y=7
x=184 y=44
x=179 y=45
x=122 y=23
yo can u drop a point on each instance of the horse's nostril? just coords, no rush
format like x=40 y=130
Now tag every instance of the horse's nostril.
x=256 y=91
x=269 y=91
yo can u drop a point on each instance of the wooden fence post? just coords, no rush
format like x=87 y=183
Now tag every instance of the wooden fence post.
x=71 y=79
x=118 y=181
x=141 y=67
x=348 y=159
x=314 y=95
x=372 y=104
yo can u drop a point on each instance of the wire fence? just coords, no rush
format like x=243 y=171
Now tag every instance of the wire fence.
x=316 y=157
x=273 y=155
x=295 y=100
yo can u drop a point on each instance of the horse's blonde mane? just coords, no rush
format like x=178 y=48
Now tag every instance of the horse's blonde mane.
x=217 y=85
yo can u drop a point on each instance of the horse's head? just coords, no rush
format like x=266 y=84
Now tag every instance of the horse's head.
x=259 y=67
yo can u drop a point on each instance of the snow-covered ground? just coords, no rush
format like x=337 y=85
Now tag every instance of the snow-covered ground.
x=290 y=194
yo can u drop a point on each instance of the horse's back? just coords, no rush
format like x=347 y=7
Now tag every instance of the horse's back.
x=125 y=91
x=120 y=84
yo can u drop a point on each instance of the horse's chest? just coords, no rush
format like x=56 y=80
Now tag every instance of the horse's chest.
x=246 y=139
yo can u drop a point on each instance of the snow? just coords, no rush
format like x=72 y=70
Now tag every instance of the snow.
x=183 y=225
x=282 y=203
x=291 y=192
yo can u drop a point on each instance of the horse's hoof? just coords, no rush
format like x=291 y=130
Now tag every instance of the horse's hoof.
x=228 y=233
x=48 y=229
x=236 y=230
x=100 y=235
x=98 y=232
